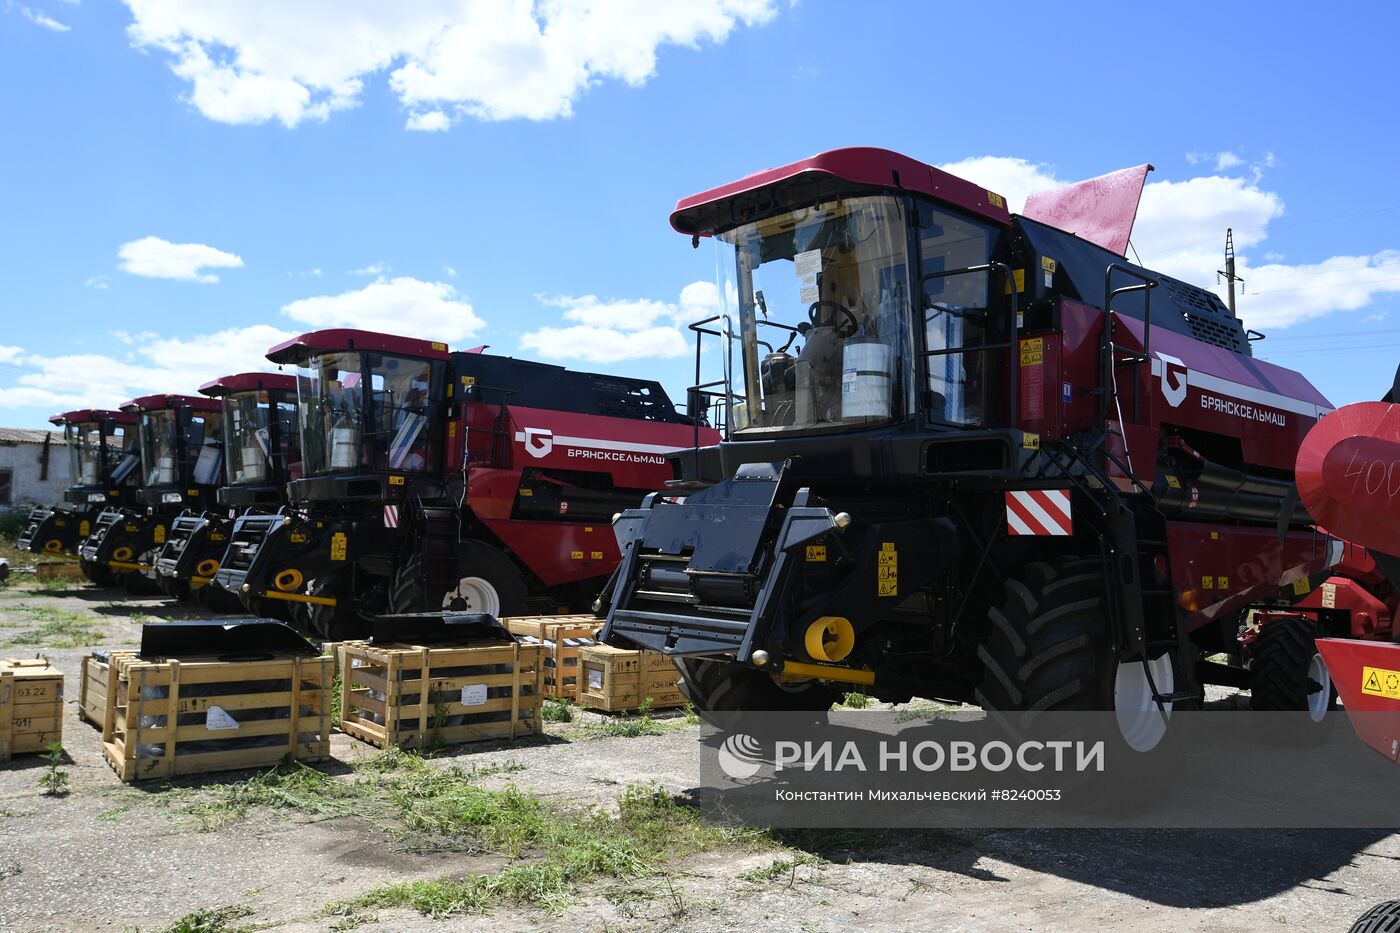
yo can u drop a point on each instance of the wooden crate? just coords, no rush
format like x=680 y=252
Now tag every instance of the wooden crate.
x=613 y=679
x=96 y=682
x=198 y=713
x=562 y=637
x=31 y=706
x=473 y=692
x=47 y=570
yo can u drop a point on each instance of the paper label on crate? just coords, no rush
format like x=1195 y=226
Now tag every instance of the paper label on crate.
x=217 y=720
x=473 y=694
x=595 y=679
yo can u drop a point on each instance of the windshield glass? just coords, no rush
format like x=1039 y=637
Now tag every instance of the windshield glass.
x=338 y=435
x=166 y=450
x=84 y=452
x=822 y=296
x=257 y=447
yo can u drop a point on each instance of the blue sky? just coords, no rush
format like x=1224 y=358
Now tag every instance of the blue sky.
x=186 y=181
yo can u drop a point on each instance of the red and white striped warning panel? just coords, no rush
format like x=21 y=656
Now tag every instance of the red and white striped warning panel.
x=391 y=516
x=1038 y=512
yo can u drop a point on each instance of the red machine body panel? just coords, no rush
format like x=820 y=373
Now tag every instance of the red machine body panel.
x=162 y=402
x=243 y=382
x=1101 y=210
x=92 y=414
x=557 y=552
x=632 y=451
x=1219 y=569
x=861 y=165
x=1367 y=677
x=348 y=339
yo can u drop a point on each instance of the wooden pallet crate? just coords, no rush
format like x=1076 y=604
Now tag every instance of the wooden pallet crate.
x=31 y=706
x=96 y=682
x=472 y=693
x=562 y=638
x=613 y=679
x=197 y=713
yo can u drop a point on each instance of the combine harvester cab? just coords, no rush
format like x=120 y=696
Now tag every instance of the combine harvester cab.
x=971 y=455
x=262 y=454
x=436 y=480
x=105 y=463
x=182 y=463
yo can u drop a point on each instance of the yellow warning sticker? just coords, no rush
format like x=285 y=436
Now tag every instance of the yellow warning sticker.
x=1380 y=682
x=395 y=480
x=1033 y=351
x=159 y=536
x=887 y=562
x=595 y=555
x=1301 y=586
x=1030 y=441
x=298 y=537
x=1020 y=276
x=995 y=200
x=1222 y=583
x=468 y=381
x=1173 y=482
x=1047 y=264
x=439 y=346
x=1207 y=583
x=816 y=553
x=338 y=544
x=575 y=555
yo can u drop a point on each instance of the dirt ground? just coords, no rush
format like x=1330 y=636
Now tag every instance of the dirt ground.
x=110 y=856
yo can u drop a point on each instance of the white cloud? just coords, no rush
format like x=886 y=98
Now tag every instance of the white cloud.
x=1227 y=160
x=1180 y=231
x=374 y=268
x=434 y=121
x=157 y=364
x=607 y=331
x=155 y=258
x=98 y=282
x=450 y=272
x=401 y=305
x=10 y=354
x=264 y=60
x=40 y=18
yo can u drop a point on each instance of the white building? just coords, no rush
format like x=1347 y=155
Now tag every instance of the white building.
x=34 y=467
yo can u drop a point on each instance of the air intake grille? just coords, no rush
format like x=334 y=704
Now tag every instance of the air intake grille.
x=1210 y=321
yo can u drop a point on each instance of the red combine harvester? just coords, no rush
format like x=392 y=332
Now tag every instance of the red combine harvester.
x=1349 y=479
x=973 y=455
x=262 y=453
x=449 y=480
x=182 y=461
x=105 y=465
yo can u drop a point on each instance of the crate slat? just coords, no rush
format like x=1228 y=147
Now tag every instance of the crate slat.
x=143 y=735
x=396 y=694
x=562 y=637
x=31 y=706
x=615 y=679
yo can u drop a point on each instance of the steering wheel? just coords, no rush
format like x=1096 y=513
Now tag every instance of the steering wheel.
x=838 y=307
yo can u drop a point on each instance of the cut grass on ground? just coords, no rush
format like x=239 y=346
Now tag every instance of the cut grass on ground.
x=211 y=920
x=55 y=628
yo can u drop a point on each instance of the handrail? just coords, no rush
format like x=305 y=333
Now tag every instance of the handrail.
x=1107 y=363
x=725 y=333
x=1013 y=402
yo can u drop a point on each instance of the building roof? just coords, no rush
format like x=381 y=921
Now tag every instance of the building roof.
x=28 y=436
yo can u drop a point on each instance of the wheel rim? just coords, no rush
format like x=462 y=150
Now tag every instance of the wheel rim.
x=473 y=594
x=1319 y=688
x=1140 y=722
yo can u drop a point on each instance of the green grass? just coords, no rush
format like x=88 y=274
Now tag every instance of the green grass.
x=855 y=700
x=783 y=868
x=557 y=711
x=555 y=853
x=211 y=920
x=55 y=628
x=630 y=727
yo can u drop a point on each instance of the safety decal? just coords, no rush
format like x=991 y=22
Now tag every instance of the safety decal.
x=1039 y=512
x=887 y=583
x=391 y=516
x=1380 y=682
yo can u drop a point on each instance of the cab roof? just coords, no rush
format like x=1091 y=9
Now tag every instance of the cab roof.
x=163 y=402
x=823 y=176
x=299 y=348
x=92 y=414
x=244 y=382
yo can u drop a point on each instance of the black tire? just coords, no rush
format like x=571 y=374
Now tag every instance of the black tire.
x=99 y=574
x=410 y=592
x=138 y=583
x=329 y=623
x=714 y=686
x=1383 y=918
x=1280 y=681
x=1048 y=648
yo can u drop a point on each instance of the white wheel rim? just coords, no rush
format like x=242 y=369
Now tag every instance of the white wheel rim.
x=1320 y=699
x=1140 y=722
x=478 y=595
